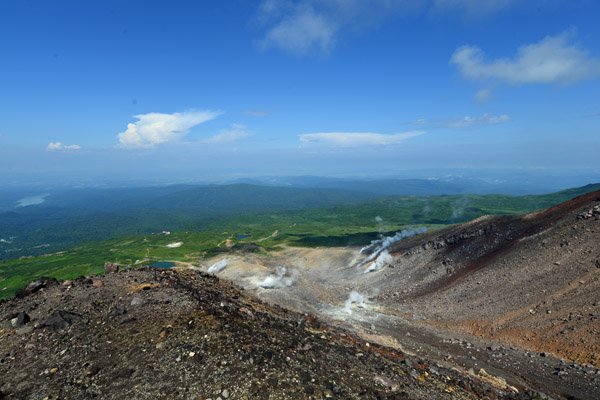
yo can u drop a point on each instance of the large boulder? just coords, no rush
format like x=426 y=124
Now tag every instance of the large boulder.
x=60 y=319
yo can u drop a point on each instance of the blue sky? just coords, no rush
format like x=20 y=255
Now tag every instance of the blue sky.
x=212 y=89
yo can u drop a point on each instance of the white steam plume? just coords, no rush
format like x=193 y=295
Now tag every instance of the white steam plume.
x=377 y=250
x=354 y=298
x=384 y=258
x=217 y=267
x=279 y=280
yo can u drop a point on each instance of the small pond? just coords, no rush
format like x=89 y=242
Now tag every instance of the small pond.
x=162 y=264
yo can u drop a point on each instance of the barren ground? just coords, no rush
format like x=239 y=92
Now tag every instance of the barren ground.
x=519 y=296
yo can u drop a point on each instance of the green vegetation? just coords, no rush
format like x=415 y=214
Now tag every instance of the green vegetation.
x=352 y=224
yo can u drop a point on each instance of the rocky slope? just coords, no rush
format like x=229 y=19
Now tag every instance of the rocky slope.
x=149 y=334
x=531 y=281
x=516 y=295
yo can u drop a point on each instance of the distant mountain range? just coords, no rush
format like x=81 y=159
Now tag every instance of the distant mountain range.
x=138 y=195
x=410 y=187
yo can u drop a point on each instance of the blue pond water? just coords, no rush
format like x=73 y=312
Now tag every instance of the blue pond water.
x=239 y=236
x=162 y=264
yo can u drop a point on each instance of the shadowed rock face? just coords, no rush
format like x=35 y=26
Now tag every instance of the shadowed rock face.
x=191 y=335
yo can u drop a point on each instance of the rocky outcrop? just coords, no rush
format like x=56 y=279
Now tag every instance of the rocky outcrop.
x=111 y=268
x=593 y=212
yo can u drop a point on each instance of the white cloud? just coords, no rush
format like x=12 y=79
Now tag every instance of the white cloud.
x=302 y=31
x=350 y=139
x=555 y=59
x=58 y=146
x=155 y=128
x=483 y=96
x=485 y=119
x=466 y=121
x=237 y=131
x=305 y=26
x=473 y=8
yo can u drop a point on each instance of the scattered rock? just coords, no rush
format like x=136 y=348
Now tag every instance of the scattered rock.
x=137 y=301
x=92 y=370
x=592 y=212
x=20 y=320
x=35 y=286
x=117 y=311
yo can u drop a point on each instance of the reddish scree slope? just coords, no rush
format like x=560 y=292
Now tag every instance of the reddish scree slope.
x=531 y=281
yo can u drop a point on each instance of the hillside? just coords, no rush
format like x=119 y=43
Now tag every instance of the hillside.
x=74 y=216
x=150 y=334
x=517 y=295
x=531 y=281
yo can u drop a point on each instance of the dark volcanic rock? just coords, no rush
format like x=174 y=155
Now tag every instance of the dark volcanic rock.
x=61 y=319
x=35 y=286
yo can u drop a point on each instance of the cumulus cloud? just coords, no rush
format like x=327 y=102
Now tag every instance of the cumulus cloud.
x=236 y=132
x=58 y=146
x=555 y=59
x=350 y=139
x=473 y=8
x=155 y=128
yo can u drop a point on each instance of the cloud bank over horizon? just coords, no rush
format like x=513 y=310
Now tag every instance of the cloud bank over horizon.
x=352 y=139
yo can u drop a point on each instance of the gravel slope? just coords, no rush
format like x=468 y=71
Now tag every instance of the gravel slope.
x=149 y=334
